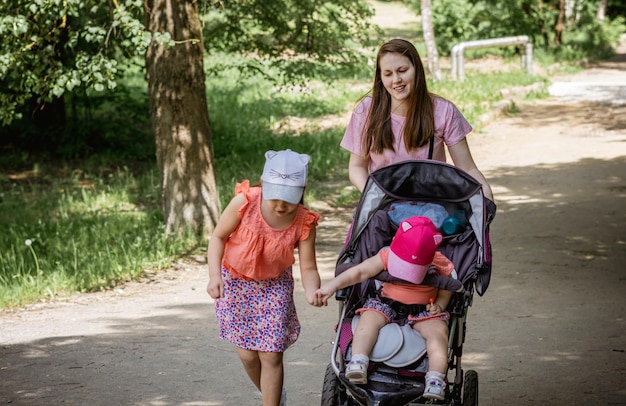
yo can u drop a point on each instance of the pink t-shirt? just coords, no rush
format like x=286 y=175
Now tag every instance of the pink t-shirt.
x=450 y=127
x=257 y=251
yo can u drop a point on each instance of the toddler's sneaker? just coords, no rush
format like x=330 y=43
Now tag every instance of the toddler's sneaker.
x=356 y=372
x=435 y=388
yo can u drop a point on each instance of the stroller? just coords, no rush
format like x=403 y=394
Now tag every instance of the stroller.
x=398 y=362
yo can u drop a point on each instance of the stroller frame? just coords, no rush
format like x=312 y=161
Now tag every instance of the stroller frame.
x=417 y=181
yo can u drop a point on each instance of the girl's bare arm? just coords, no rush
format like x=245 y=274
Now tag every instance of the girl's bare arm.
x=229 y=220
x=308 y=268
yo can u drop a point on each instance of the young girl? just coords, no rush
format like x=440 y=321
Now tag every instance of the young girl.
x=412 y=251
x=250 y=258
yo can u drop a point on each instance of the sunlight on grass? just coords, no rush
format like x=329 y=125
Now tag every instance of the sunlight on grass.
x=80 y=240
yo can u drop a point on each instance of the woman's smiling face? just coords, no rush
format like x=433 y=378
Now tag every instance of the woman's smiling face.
x=398 y=76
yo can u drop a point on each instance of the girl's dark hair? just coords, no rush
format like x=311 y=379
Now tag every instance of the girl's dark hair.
x=420 y=121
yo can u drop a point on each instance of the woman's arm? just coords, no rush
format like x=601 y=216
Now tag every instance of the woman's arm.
x=462 y=158
x=358 y=170
x=229 y=220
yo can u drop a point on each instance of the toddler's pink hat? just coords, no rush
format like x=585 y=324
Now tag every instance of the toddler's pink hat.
x=413 y=249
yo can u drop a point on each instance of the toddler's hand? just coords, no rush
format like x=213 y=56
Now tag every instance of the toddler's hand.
x=433 y=308
x=320 y=298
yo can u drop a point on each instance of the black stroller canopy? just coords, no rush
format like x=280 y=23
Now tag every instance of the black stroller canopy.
x=414 y=180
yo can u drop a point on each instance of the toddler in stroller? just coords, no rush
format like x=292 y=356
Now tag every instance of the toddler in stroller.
x=397 y=370
x=412 y=254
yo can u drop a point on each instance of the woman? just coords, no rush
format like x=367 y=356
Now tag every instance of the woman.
x=401 y=118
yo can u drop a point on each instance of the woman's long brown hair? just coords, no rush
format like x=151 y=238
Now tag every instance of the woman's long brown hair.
x=420 y=121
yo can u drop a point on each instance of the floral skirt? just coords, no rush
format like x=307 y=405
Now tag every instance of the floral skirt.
x=258 y=315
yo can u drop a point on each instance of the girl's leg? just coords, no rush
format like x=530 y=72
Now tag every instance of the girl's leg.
x=266 y=372
x=252 y=364
x=435 y=332
x=272 y=373
x=366 y=332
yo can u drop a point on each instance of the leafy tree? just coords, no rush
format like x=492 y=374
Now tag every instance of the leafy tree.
x=52 y=49
x=301 y=38
x=569 y=28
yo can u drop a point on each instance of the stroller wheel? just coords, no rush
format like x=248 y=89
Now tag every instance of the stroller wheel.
x=333 y=392
x=470 y=388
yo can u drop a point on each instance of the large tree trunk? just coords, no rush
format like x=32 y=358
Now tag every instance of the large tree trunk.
x=429 y=39
x=180 y=118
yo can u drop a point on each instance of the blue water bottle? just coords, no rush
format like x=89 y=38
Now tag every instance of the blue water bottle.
x=455 y=223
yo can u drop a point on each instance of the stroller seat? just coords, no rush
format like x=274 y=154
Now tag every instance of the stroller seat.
x=397 y=346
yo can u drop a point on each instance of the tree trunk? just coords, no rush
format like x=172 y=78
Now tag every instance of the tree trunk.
x=429 y=39
x=602 y=4
x=560 y=25
x=180 y=118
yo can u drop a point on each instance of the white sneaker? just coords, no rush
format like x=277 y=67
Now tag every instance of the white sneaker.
x=356 y=372
x=283 y=398
x=435 y=389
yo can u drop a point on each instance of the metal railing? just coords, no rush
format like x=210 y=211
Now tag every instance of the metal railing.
x=457 y=54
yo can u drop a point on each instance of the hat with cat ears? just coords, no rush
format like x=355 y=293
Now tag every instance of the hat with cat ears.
x=413 y=249
x=284 y=175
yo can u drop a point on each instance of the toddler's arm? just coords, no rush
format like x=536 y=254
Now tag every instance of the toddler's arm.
x=358 y=273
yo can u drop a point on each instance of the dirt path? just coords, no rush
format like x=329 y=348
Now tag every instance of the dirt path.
x=550 y=330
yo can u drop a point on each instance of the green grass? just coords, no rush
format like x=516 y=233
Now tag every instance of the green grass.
x=88 y=225
x=66 y=235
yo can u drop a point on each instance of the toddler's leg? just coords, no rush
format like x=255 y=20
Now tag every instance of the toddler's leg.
x=435 y=332
x=365 y=336
x=366 y=332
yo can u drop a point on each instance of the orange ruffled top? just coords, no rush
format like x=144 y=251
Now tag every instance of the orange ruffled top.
x=257 y=251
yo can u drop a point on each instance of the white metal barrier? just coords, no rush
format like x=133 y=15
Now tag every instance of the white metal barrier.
x=458 y=70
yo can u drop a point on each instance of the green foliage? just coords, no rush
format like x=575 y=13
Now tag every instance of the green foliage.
x=456 y=21
x=594 y=40
x=79 y=226
x=52 y=47
x=80 y=232
x=453 y=21
x=479 y=91
x=276 y=117
x=289 y=40
x=113 y=122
